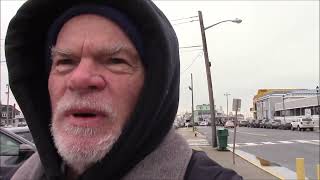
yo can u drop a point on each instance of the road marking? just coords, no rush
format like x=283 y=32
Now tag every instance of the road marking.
x=198 y=142
x=231 y=145
x=315 y=142
x=286 y=142
x=268 y=143
x=307 y=142
x=250 y=133
x=251 y=144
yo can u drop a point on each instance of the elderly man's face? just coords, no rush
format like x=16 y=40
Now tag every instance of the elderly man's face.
x=94 y=83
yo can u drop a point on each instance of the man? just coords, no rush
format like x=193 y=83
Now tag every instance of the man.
x=98 y=83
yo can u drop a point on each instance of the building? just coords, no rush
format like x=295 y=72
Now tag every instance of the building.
x=265 y=101
x=202 y=113
x=9 y=114
x=298 y=107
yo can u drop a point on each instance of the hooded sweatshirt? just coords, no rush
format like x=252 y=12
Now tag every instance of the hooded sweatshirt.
x=146 y=132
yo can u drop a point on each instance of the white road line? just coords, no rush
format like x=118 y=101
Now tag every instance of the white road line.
x=250 y=133
x=231 y=145
x=198 y=142
x=251 y=144
x=286 y=142
x=307 y=142
x=268 y=143
x=315 y=142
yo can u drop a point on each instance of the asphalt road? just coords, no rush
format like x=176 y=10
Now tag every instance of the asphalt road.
x=278 y=146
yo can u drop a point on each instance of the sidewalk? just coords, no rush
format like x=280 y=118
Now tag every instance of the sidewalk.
x=224 y=158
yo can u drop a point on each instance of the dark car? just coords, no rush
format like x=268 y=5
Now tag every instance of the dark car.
x=13 y=152
x=243 y=123
x=268 y=124
x=276 y=124
x=22 y=131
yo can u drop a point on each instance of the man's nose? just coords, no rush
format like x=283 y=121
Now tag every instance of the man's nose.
x=86 y=76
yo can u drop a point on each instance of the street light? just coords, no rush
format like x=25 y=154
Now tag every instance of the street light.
x=208 y=72
x=318 y=108
x=227 y=94
x=191 y=89
x=284 y=112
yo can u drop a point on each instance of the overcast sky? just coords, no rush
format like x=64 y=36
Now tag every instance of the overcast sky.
x=276 y=46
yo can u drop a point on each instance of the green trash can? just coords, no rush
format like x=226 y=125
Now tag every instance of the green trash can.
x=222 y=139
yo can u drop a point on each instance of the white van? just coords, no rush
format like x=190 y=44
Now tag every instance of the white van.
x=302 y=124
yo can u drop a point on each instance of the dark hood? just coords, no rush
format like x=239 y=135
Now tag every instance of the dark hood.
x=156 y=107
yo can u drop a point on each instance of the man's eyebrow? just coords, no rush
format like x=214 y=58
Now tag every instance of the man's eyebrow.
x=117 y=49
x=61 y=52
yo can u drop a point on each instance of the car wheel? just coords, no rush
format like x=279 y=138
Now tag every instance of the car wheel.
x=311 y=129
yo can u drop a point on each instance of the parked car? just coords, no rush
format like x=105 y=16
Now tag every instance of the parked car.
x=243 y=123
x=253 y=123
x=264 y=123
x=302 y=124
x=22 y=131
x=258 y=123
x=268 y=124
x=275 y=124
x=203 y=123
x=229 y=124
x=13 y=152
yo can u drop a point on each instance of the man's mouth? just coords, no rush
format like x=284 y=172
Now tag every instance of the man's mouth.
x=86 y=117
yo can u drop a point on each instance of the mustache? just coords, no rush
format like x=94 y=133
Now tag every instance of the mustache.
x=73 y=100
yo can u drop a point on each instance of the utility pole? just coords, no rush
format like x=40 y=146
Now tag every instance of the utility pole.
x=227 y=95
x=318 y=108
x=207 y=63
x=284 y=111
x=7 y=104
x=191 y=89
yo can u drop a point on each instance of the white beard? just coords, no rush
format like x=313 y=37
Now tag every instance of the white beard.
x=92 y=144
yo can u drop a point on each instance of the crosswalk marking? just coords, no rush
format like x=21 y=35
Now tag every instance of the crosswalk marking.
x=231 y=145
x=198 y=142
x=268 y=143
x=286 y=142
x=314 y=142
x=307 y=142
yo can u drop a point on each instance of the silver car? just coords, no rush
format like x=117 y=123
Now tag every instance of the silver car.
x=13 y=152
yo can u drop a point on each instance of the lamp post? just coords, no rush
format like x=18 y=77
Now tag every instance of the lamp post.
x=284 y=112
x=7 y=104
x=318 y=107
x=191 y=89
x=208 y=72
x=227 y=95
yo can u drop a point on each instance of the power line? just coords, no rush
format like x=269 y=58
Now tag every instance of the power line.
x=183 y=47
x=185 y=22
x=184 y=18
x=199 y=55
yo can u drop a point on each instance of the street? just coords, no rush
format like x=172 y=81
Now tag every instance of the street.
x=278 y=146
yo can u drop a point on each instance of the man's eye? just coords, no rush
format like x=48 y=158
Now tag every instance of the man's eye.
x=64 y=62
x=119 y=65
x=117 y=61
x=64 y=65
